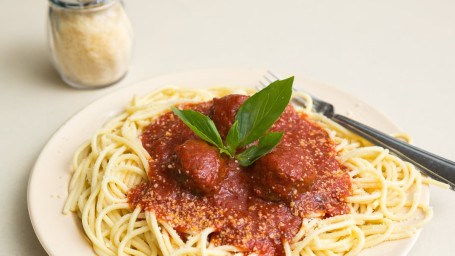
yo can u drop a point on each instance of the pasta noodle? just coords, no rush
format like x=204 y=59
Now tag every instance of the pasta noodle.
x=386 y=202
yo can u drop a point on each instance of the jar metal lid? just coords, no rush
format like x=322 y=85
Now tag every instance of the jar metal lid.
x=80 y=4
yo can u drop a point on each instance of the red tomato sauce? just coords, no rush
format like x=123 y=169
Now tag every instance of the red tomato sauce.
x=255 y=208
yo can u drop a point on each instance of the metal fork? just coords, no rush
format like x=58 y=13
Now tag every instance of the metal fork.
x=436 y=167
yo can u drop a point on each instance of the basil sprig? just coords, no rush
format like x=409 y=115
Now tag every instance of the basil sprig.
x=203 y=126
x=256 y=115
x=265 y=145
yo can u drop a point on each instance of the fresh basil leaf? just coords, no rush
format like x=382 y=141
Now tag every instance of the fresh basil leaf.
x=226 y=151
x=232 y=138
x=258 y=113
x=202 y=126
x=265 y=145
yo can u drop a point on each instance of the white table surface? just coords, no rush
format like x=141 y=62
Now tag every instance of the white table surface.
x=397 y=55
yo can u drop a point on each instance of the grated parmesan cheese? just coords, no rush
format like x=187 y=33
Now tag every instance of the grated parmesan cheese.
x=91 y=47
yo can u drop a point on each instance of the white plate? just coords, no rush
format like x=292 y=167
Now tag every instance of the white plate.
x=62 y=235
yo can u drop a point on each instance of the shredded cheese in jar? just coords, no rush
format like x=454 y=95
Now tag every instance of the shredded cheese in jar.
x=91 y=46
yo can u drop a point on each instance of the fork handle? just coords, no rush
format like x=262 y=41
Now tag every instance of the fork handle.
x=436 y=167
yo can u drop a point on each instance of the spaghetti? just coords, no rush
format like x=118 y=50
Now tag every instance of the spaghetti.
x=385 y=204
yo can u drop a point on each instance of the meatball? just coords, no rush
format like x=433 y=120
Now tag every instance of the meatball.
x=197 y=166
x=223 y=112
x=279 y=175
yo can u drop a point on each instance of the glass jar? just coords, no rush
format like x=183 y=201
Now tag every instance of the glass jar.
x=90 y=41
